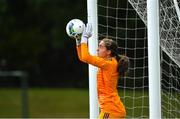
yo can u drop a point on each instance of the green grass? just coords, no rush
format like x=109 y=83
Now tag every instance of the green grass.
x=46 y=102
x=52 y=102
x=136 y=103
x=57 y=102
x=10 y=105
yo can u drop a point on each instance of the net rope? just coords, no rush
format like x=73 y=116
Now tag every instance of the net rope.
x=126 y=23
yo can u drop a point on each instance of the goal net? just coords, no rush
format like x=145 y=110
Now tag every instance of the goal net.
x=126 y=22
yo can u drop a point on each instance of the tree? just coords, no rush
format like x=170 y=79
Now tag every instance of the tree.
x=33 y=37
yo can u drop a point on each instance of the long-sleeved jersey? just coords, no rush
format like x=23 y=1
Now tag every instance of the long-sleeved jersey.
x=107 y=79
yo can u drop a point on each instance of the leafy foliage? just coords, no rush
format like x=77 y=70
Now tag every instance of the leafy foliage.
x=33 y=37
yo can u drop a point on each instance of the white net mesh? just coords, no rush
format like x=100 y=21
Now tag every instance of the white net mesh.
x=169 y=26
x=125 y=21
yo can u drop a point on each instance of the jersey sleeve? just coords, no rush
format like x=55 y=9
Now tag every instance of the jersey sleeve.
x=93 y=60
x=78 y=48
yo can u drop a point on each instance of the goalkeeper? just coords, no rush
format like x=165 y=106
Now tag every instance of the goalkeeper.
x=110 y=66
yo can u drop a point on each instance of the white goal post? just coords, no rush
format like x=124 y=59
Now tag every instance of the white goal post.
x=154 y=59
x=177 y=9
x=93 y=44
x=148 y=32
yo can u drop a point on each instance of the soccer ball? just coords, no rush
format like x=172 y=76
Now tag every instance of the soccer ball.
x=75 y=28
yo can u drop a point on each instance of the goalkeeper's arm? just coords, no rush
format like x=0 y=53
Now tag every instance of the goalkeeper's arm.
x=85 y=35
x=78 y=48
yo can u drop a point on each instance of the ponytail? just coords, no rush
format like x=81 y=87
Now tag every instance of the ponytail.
x=123 y=64
x=123 y=61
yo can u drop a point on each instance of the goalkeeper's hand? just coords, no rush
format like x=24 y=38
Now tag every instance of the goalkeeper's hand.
x=87 y=33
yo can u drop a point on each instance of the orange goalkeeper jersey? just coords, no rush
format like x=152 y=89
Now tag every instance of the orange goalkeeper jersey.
x=107 y=79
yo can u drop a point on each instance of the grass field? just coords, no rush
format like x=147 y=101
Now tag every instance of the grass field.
x=71 y=103
x=46 y=102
